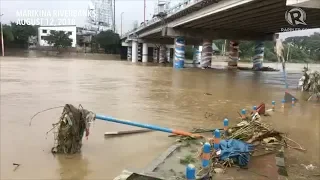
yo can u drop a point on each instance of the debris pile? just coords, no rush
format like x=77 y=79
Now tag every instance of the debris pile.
x=251 y=137
x=247 y=138
x=73 y=123
x=310 y=82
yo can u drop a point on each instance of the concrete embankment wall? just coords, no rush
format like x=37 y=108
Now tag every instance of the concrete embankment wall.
x=75 y=55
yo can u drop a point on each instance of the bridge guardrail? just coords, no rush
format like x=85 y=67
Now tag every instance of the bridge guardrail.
x=170 y=12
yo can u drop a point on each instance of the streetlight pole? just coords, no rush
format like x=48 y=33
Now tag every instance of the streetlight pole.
x=144 y=12
x=121 y=24
x=288 y=52
x=2 y=44
x=114 y=16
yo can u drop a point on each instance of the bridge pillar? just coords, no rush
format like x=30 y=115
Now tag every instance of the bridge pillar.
x=144 y=52
x=168 y=54
x=134 y=51
x=179 y=52
x=139 y=52
x=233 y=54
x=162 y=54
x=155 y=54
x=197 y=54
x=258 y=55
x=129 y=53
x=206 y=54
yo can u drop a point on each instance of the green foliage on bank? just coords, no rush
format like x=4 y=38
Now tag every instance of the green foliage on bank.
x=301 y=49
x=17 y=36
x=59 y=39
x=109 y=41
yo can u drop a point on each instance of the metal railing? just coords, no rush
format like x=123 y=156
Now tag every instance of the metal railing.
x=171 y=11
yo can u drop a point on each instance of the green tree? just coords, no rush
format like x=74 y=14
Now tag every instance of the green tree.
x=189 y=52
x=246 y=49
x=109 y=41
x=7 y=33
x=59 y=39
x=21 y=34
x=17 y=35
x=304 y=48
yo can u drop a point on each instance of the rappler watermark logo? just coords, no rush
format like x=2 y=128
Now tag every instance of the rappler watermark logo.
x=295 y=17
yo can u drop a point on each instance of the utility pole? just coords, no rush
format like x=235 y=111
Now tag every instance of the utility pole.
x=2 y=44
x=288 y=52
x=144 y=12
x=121 y=24
x=114 y=16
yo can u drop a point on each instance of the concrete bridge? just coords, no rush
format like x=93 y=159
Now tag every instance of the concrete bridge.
x=198 y=22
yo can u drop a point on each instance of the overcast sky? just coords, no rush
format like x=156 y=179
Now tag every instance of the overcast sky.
x=133 y=10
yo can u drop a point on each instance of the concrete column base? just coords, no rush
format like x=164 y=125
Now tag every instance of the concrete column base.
x=206 y=54
x=233 y=54
x=155 y=54
x=168 y=54
x=259 y=55
x=134 y=51
x=196 y=55
x=162 y=54
x=129 y=53
x=144 y=52
x=179 y=52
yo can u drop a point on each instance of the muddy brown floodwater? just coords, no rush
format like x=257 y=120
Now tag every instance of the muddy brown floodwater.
x=151 y=94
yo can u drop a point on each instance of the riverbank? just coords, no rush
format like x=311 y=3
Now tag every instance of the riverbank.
x=263 y=164
x=18 y=53
x=154 y=94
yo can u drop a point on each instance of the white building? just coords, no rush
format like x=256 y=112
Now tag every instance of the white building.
x=45 y=31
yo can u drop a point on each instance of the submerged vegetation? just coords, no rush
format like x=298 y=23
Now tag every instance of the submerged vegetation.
x=310 y=82
x=297 y=49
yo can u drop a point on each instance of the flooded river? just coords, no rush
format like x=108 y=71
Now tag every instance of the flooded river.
x=151 y=94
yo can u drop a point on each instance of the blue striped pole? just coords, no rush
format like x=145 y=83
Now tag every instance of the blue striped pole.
x=191 y=172
x=206 y=155
x=147 y=126
x=179 y=53
x=258 y=56
x=285 y=78
x=217 y=137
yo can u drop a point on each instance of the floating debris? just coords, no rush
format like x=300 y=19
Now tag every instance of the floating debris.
x=239 y=143
x=70 y=129
x=129 y=132
x=310 y=82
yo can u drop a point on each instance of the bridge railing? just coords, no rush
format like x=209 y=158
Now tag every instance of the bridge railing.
x=171 y=11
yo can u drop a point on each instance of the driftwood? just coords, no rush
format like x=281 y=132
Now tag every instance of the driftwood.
x=120 y=133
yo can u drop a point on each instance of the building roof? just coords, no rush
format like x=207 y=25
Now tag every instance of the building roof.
x=60 y=26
